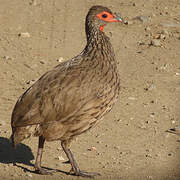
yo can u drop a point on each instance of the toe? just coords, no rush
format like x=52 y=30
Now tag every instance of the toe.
x=87 y=174
x=44 y=171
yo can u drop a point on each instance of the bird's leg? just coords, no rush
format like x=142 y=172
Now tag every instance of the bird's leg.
x=75 y=168
x=37 y=165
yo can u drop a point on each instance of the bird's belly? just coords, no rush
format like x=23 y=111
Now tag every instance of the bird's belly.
x=108 y=99
x=83 y=120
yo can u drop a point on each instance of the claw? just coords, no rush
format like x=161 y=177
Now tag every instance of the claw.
x=85 y=174
x=43 y=171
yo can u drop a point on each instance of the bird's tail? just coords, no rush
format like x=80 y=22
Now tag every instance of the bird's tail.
x=11 y=139
x=21 y=133
x=15 y=138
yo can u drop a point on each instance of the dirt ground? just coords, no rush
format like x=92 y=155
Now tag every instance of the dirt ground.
x=131 y=143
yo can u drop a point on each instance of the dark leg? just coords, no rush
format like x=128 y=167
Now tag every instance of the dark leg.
x=75 y=169
x=37 y=165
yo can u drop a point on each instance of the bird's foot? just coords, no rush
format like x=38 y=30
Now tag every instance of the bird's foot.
x=43 y=171
x=84 y=174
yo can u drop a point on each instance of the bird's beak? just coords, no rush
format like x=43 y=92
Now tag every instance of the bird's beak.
x=117 y=18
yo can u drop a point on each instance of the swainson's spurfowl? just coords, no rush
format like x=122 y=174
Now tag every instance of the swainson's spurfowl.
x=72 y=97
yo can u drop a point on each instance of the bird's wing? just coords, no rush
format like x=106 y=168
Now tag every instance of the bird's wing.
x=56 y=96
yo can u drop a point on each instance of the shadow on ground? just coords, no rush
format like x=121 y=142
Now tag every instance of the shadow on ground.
x=22 y=153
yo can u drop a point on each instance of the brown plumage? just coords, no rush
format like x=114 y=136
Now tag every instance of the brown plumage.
x=71 y=98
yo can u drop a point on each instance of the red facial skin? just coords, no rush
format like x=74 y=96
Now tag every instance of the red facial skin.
x=101 y=28
x=109 y=18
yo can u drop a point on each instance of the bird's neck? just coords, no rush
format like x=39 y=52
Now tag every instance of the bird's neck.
x=97 y=40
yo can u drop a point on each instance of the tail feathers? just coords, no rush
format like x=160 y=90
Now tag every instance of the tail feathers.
x=11 y=139
x=15 y=139
x=21 y=133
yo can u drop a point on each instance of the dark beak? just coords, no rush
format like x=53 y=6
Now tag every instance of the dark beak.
x=118 y=18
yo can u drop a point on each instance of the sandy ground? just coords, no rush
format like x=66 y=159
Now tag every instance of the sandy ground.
x=131 y=143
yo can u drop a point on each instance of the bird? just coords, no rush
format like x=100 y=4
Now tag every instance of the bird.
x=74 y=96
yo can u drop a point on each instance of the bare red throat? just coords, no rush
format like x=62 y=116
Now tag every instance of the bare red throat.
x=101 y=27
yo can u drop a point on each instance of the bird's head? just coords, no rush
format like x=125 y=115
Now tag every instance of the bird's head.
x=99 y=16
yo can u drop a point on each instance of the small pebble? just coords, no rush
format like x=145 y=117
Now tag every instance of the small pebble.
x=29 y=175
x=122 y=153
x=60 y=158
x=139 y=52
x=142 y=18
x=162 y=36
x=33 y=2
x=147 y=28
x=175 y=130
x=32 y=161
x=7 y=58
x=42 y=62
x=165 y=67
x=152 y=115
x=61 y=59
x=129 y=22
x=2 y=123
x=156 y=36
x=142 y=126
x=151 y=87
x=117 y=147
x=92 y=149
x=31 y=82
x=140 y=43
x=148 y=150
x=177 y=74
x=59 y=148
x=156 y=43
x=148 y=155
x=24 y=35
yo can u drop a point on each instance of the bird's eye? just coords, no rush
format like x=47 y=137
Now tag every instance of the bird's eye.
x=104 y=15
